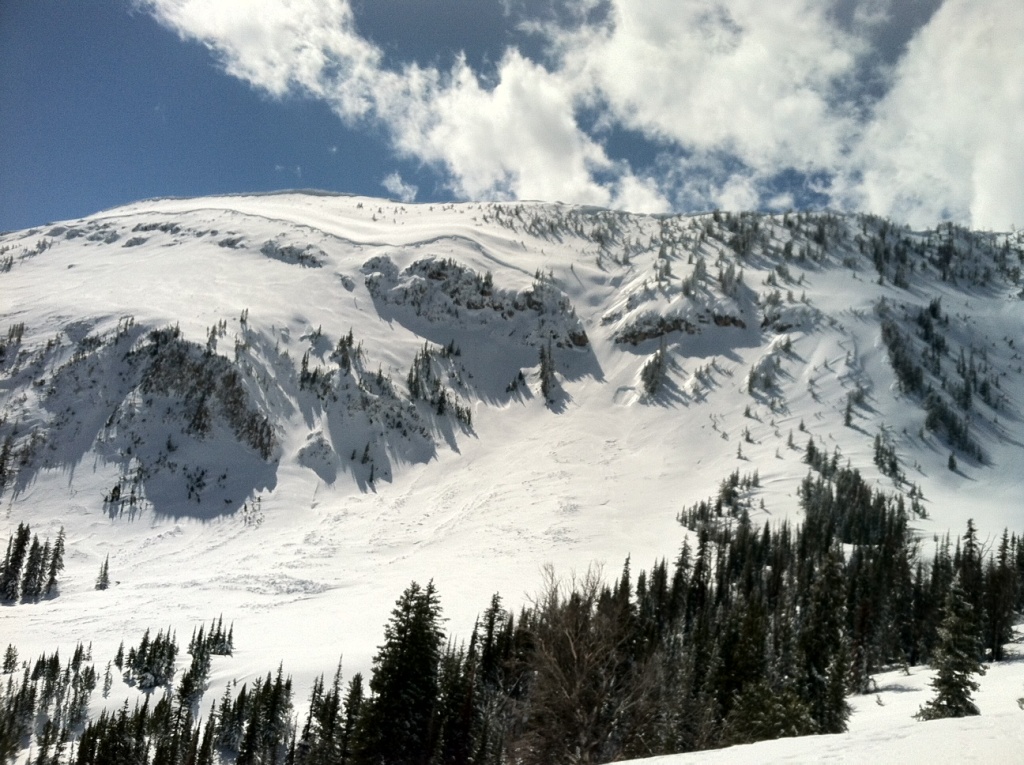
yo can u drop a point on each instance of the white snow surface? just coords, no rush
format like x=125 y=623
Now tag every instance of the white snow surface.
x=882 y=728
x=306 y=556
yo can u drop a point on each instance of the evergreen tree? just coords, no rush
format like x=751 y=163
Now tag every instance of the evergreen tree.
x=10 y=577
x=398 y=726
x=823 y=644
x=10 y=659
x=103 y=580
x=457 y=706
x=653 y=371
x=956 y=659
x=35 y=566
x=353 y=707
x=56 y=564
x=321 y=736
x=1001 y=592
x=763 y=712
x=547 y=372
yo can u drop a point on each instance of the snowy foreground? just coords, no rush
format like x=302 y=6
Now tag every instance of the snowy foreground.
x=882 y=729
x=364 y=487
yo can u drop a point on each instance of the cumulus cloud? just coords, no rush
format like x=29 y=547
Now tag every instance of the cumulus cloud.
x=753 y=78
x=518 y=138
x=399 y=189
x=919 y=122
x=947 y=140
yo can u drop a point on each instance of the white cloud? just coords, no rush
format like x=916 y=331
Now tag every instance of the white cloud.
x=734 y=93
x=519 y=138
x=399 y=189
x=947 y=141
x=739 y=193
x=753 y=78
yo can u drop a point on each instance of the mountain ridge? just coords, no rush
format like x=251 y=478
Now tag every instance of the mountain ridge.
x=308 y=401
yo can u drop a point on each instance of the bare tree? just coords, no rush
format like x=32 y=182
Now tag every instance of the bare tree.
x=591 y=699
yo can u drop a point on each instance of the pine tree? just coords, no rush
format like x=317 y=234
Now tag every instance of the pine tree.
x=56 y=563
x=10 y=577
x=5 y=460
x=763 y=712
x=823 y=644
x=1001 y=593
x=547 y=372
x=321 y=735
x=10 y=659
x=103 y=580
x=353 y=707
x=653 y=371
x=398 y=726
x=955 y=659
x=32 y=581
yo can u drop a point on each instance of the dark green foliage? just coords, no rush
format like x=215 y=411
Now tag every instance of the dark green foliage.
x=267 y=715
x=733 y=501
x=152 y=662
x=6 y=450
x=30 y=568
x=822 y=643
x=1002 y=589
x=901 y=356
x=35 y=570
x=547 y=372
x=346 y=352
x=255 y=726
x=425 y=382
x=591 y=697
x=653 y=371
x=326 y=736
x=193 y=683
x=956 y=659
x=206 y=383
x=14 y=560
x=116 y=739
x=10 y=659
x=217 y=641
x=56 y=564
x=44 y=704
x=915 y=379
x=940 y=416
x=399 y=724
x=762 y=712
x=103 y=579
x=885 y=458
x=754 y=633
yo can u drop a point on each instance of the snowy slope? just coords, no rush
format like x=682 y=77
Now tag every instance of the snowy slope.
x=882 y=729
x=299 y=485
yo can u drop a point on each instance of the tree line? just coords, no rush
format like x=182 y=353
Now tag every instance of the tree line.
x=750 y=633
x=30 y=569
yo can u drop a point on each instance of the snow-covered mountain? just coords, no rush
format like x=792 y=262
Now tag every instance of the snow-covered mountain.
x=283 y=408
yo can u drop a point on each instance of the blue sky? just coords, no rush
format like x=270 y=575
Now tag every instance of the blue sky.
x=906 y=108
